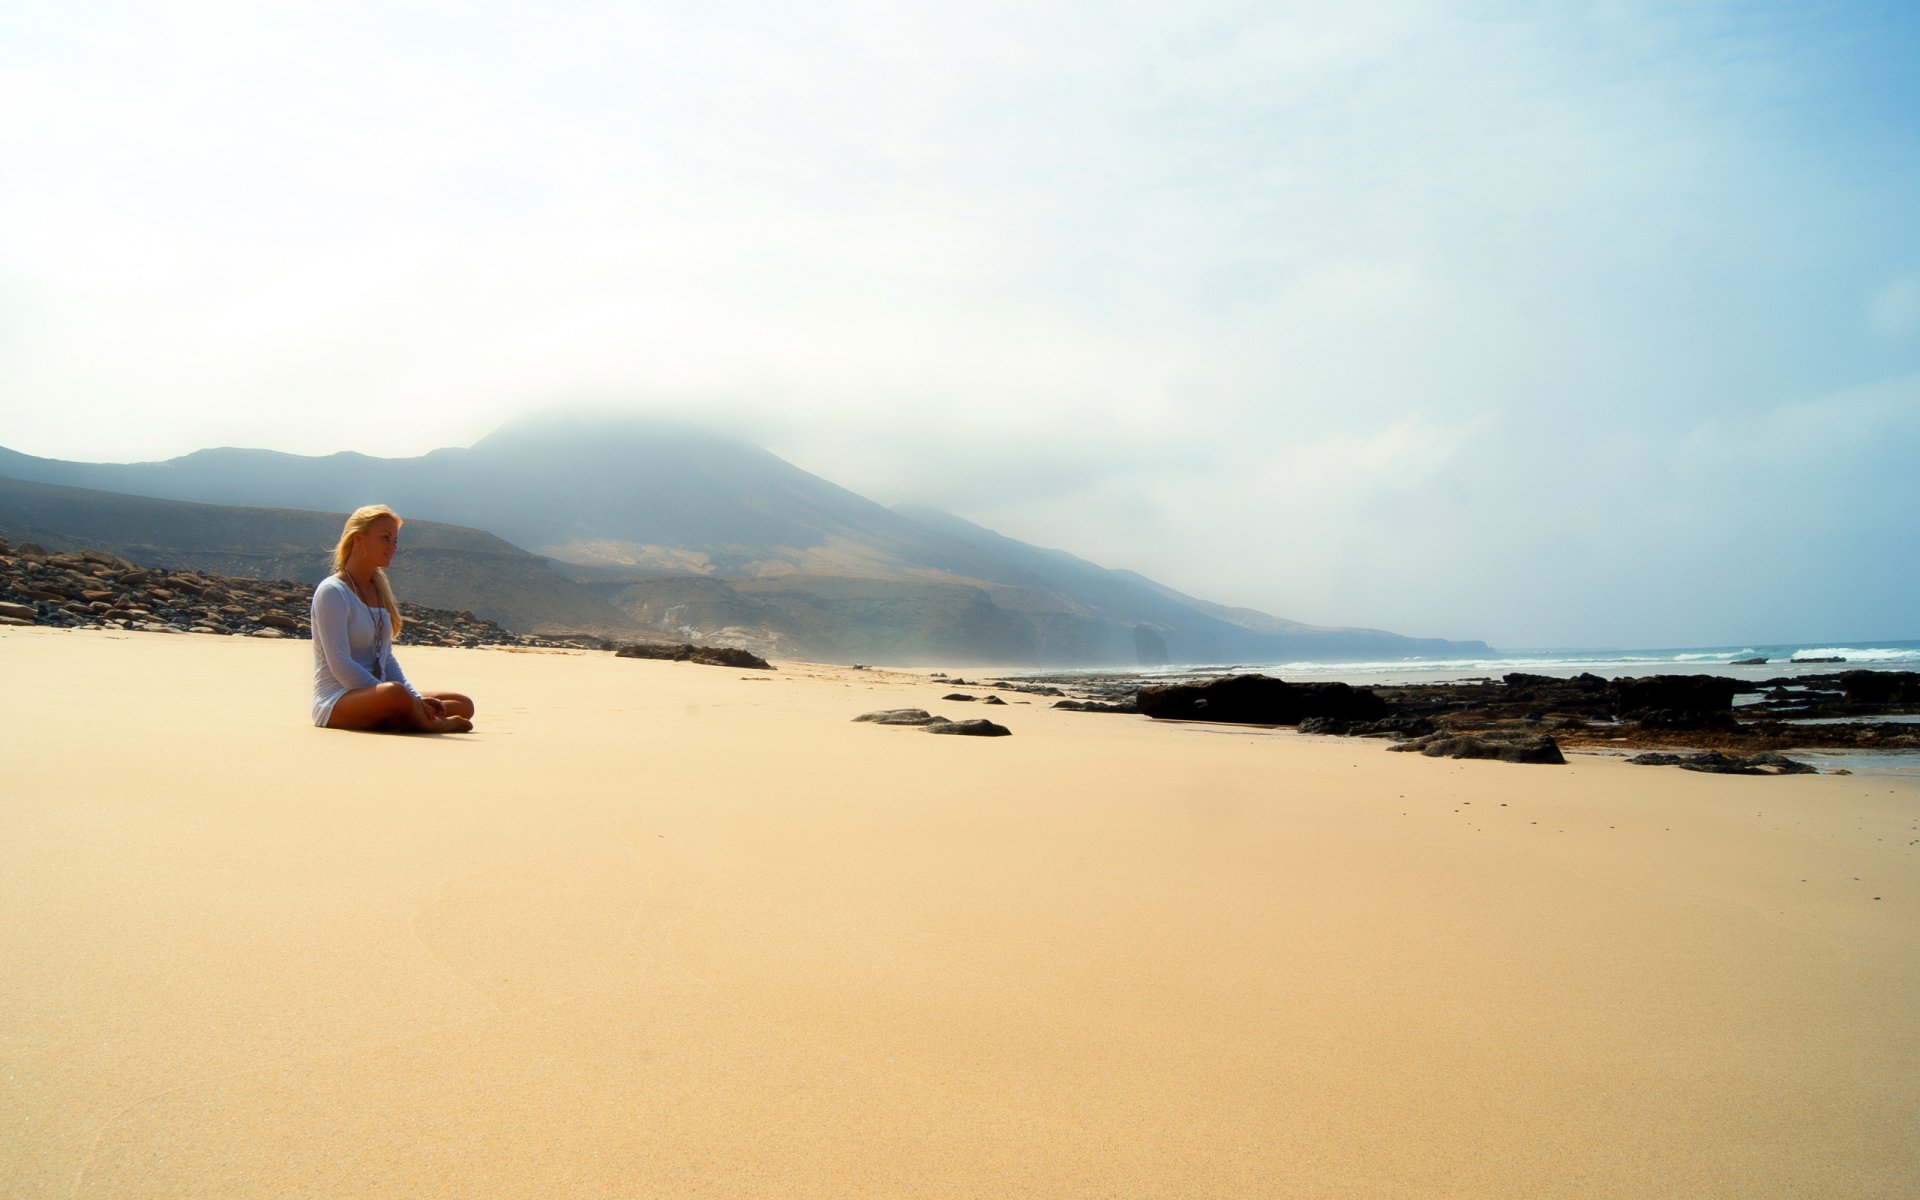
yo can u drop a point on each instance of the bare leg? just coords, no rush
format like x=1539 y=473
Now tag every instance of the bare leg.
x=390 y=706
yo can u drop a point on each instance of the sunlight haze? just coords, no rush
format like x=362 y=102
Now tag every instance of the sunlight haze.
x=1594 y=324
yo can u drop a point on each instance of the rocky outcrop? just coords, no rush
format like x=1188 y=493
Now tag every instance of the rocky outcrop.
x=1393 y=727
x=712 y=656
x=1515 y=750
x=1149 y=646
x=1258 y=700
x=978 y=727
x=1676 y=701
x=1880 y=687
x=90 y=589
x=1124 y=706
x=1584 y=712
x=900 y=716
x=1714 y=762
x=925 y=720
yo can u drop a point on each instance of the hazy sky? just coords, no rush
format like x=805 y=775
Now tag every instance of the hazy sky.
x=1569 y=323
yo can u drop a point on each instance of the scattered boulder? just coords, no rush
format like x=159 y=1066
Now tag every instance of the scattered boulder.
x=712 y=656
x=959 y=696
x=900 y=716
x=979 y=727
x=923 y=719
x=1258 y=700
x=1460 y=745
x=93 y=589
x=1395 y=727
x=1124 y=706
x=1716 y=763
x=1030 y=689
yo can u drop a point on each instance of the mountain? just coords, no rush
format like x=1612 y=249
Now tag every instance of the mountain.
x=640 y=495
x=677 y=530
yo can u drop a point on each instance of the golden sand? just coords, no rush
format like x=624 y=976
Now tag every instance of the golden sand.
x=669 y=930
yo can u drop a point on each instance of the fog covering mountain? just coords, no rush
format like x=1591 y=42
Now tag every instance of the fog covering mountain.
x=664 y=528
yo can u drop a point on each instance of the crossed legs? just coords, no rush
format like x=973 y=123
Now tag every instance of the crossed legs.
x=388 y=706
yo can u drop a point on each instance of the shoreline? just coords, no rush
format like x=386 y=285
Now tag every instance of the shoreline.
x=1869 y=719
x=661 y=929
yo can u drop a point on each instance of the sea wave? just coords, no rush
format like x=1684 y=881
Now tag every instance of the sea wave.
x=1609 y=663
x=1875 y=655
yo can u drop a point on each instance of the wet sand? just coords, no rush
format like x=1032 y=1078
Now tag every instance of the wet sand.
x=669 y=930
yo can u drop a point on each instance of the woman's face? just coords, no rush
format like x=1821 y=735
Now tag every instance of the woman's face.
x=377 y=542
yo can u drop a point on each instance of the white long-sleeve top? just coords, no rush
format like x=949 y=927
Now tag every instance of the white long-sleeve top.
x=352 y=646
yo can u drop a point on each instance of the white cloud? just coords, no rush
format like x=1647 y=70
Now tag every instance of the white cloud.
x=1101 y=276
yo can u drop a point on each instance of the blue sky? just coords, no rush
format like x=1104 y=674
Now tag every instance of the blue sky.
x=1577 y=324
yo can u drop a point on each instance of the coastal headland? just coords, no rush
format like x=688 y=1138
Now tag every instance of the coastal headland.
x=667 y=929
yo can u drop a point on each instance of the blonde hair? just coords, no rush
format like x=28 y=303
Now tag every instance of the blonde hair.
x=356 y=525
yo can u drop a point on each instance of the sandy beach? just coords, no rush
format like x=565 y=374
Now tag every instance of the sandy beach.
x=658 y=929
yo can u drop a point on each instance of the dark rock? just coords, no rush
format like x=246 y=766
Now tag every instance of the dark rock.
x=1023 y=687
x=1258 y=700
x=979 y=727
x=1748 y=662
x=1520 y=679
x=1880 y=687
x=1817 y=660
x=712 y=656
x=1716 y=763
x=1455 y=745
x=1673 y=694
x=1399 y=727
x=902 y=716
x=1126 y=706
x=1149 y=647
x=89 y=588
x=993 y=700
x=1686 y=718
x=959 y=696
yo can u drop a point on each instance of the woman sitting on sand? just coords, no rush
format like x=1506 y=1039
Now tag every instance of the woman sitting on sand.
x=356 y=682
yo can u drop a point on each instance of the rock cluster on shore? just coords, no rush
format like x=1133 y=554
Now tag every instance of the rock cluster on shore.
x=712 y=656
x=921 y=719
x=91 y=589
x=1519 y=716
x=1715 y=763
x=1259 y=700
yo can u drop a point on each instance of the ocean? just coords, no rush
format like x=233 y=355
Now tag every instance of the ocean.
x=1780 y=659
x=1783 y=660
